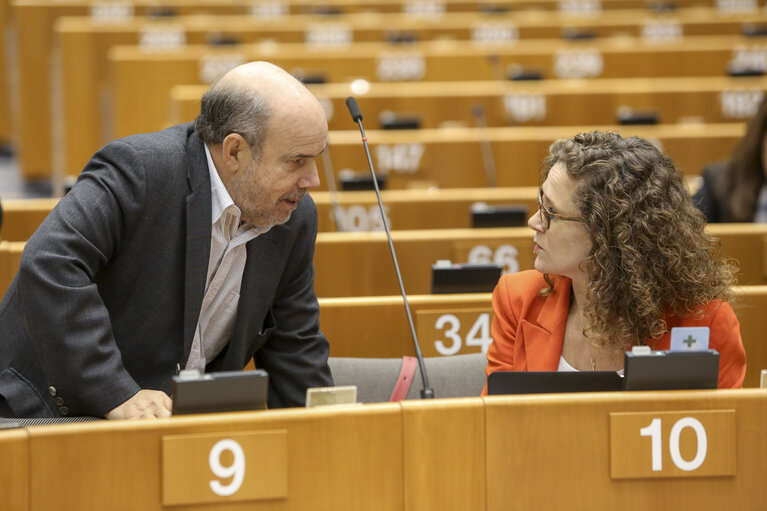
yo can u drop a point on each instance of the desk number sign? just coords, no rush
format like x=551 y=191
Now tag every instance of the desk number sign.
x=209 y=468
x=672 y=444
x=452 y=332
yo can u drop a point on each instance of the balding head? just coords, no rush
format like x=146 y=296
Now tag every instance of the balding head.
x=247 y=98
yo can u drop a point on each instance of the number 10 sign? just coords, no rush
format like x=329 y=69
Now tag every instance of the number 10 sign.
x=672 y=444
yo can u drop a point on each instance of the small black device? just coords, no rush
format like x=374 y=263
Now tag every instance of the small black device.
x=517 y=74
x=393 y=121
x=744 y=71
x=352 y=182
x=671 y=370
x=484 y=215
x=447 y=277
x=547 y=382
x=578 y=34
x=228 y=391
x=628 y=117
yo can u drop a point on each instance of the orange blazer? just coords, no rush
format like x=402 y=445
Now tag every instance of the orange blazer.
x=528 y=330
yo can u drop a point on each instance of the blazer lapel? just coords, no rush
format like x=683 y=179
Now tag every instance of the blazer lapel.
x=198 y=228
x=544 y=335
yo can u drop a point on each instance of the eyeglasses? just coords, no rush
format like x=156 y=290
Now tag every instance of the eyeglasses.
x=547 y=215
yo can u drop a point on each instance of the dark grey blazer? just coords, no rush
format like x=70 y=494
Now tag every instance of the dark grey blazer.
x=110 y=286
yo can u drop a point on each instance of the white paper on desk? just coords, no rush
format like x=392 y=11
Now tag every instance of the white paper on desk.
x=689 y=338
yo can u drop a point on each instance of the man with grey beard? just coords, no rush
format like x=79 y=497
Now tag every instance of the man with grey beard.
x=189 y=248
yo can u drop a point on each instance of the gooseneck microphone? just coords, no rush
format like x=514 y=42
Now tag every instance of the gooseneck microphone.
x=426 y=392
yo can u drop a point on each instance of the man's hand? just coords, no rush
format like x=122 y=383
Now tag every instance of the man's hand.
x=146 y=403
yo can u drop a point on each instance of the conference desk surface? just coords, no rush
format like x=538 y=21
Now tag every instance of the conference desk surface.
x=707 y=450
x=424 y=61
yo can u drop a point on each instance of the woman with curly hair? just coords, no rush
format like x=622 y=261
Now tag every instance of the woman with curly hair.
x=621 y=258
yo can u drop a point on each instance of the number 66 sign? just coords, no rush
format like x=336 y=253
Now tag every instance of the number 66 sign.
x=219 y=467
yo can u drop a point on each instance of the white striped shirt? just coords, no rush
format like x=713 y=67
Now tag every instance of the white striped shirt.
x=225 y=268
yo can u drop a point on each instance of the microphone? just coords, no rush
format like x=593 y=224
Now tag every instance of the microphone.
x=327 y=163
x=426 y=392
x=488 y=161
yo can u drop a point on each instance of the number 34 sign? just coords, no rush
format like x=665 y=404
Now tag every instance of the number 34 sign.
x=450 y=332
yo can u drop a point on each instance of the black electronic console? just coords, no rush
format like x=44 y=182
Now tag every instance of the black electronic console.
x=484 y=215
x=447 y=277
x=229 y=391
x=669 y=370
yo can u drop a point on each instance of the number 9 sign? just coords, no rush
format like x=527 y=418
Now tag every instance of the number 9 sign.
x=236 y=470
x=210 y=468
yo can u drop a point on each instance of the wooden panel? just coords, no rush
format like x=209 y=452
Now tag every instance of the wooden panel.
x=376 y=327
x=340 y=459
x=84 y=44
x=751 y=308
x=427 y=61
x=5 y=96
x=653 y=444
x=14 y=470
x=223 y=468
x=537 y=445
x=22 y=217
x=451 y=158
x=432 y=208
x=532 y=103
x=37 y=59
x=445 y=461
x=359 y=263
x=10 y=257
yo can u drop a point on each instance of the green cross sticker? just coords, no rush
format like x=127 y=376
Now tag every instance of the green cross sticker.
x=689 y=341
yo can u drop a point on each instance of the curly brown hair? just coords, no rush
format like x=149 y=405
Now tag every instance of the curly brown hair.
x=650 y=253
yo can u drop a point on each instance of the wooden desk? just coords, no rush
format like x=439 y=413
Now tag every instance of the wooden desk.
x=10 y=257
x=376 y=326
x=38 y=68
x=535 y=103
x=84 y=43
x=22 y=217
x=416 y=208
x=452 y=157
x=424 y=455
x=141 y=105
x=359 y=264
x=6 y=133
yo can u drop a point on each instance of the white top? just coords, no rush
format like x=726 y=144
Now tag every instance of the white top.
x=565 y=367
x=225 y=268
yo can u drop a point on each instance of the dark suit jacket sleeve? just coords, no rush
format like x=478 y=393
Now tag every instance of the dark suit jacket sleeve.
x=295 y=352
x=63 y=314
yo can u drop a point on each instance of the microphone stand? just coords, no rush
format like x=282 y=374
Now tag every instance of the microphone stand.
x=426 y=392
